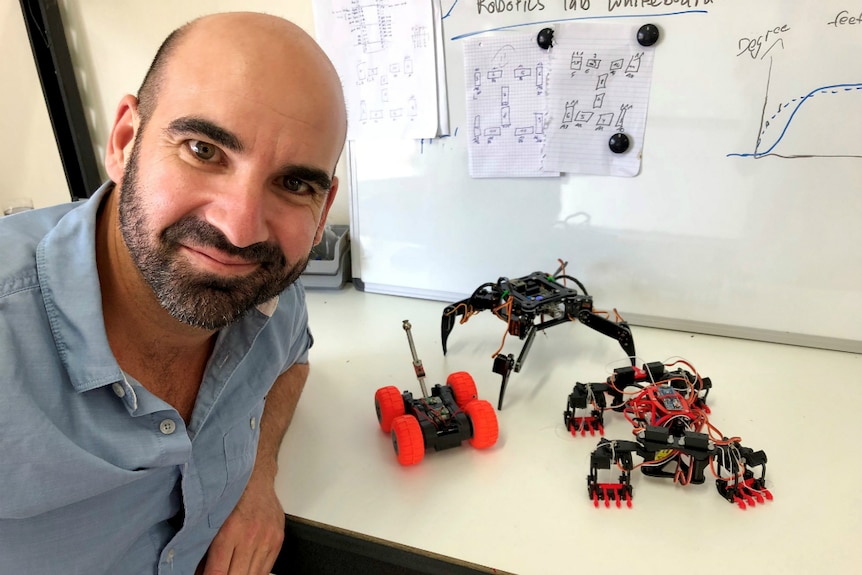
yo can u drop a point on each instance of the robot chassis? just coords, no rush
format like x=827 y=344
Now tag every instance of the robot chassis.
x=529 y=304
x=669 y=413
x=442 y=419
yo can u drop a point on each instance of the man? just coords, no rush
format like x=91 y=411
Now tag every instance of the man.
x=153 y=345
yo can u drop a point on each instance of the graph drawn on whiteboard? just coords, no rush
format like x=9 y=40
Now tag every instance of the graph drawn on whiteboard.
x=807 y=109
x=828 y=111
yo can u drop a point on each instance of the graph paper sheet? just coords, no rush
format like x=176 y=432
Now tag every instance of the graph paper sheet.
x=505 y=76
x=598 y=85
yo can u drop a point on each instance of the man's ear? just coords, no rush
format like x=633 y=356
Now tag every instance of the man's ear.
x=329 y=199
x=123 y=132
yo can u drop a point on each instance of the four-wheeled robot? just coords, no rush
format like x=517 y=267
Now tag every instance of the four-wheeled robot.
x=533 y=303
x=446 y=417
x=672 y=434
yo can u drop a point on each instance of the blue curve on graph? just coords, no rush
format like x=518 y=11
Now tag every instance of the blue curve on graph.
x=833 y=89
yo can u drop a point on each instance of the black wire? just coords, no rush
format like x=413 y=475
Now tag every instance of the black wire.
x=568 y=277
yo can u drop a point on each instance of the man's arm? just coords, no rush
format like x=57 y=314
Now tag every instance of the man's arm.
x=251 y=537
x=280 y=405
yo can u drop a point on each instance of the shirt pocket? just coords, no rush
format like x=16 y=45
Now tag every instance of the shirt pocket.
x=240 y=449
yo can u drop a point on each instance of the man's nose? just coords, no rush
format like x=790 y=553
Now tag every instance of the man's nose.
x=238 y=212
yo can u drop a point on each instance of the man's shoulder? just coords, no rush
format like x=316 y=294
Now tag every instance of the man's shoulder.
x=20 y=235
x=291 y=305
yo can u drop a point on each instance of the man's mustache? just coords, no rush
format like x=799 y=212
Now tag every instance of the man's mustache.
x=197 y=231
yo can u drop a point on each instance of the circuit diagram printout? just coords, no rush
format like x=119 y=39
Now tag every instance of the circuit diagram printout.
x=599 y=85
x=385 y=52
x=505 y=85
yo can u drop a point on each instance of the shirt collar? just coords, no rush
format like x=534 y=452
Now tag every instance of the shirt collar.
x=66 y=262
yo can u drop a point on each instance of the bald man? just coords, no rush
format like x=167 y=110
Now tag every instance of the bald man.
x=154 y=338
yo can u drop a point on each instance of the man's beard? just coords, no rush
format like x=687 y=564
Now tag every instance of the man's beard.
x=203 y=300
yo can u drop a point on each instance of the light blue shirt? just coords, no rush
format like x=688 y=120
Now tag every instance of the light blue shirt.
x=93 y=467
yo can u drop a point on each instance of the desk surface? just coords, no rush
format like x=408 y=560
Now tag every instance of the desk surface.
x=522 y=506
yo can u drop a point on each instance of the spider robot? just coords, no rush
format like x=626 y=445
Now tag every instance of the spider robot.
x=529 y=304
x=672 y=434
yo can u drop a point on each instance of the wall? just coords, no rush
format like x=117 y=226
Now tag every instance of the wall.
x=29 y=161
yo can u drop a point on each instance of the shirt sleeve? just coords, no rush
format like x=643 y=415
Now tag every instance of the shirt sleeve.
x=293 y=315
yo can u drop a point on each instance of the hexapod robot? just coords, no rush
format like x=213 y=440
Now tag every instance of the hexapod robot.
x=529 y=304
x=447 y=416
x=672 y=434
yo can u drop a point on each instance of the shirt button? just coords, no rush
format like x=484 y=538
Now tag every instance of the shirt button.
x=253 y=422
x=171 y=554
x=167 y=426
x=119 y=390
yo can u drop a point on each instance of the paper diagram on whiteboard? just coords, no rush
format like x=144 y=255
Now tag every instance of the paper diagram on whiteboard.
x=386 y=53
x=505 y=77
x=599 y=84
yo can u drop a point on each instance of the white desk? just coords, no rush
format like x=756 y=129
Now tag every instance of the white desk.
x=522 y=506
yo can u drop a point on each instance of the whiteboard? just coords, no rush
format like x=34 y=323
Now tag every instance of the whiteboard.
x=717 y=233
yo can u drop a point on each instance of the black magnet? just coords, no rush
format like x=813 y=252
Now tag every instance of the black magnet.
x=618 y=143
x=545 y=38
x=648 y=35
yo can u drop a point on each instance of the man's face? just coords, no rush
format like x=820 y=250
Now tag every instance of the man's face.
x=198 y=297
x=226 y=189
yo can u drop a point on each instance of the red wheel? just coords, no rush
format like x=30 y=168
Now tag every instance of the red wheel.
x=389 y=405
x=463 y=387
x=407 y=440
x=484 y=420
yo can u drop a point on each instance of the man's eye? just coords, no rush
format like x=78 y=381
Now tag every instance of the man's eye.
x=203 y=150
x=295 y=185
